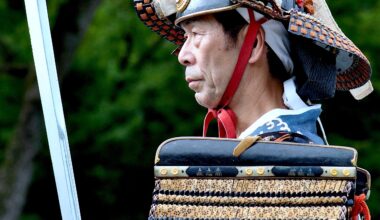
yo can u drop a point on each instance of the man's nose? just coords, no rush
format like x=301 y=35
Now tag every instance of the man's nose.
x=186 y=56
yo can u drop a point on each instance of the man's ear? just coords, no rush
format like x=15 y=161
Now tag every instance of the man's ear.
x=259 y=47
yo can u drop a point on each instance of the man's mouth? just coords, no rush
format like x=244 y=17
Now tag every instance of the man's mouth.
x=193 y=83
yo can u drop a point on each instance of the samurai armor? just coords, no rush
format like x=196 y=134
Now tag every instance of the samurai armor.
x=204 y=178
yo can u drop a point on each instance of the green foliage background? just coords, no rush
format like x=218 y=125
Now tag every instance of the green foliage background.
x=125 y=94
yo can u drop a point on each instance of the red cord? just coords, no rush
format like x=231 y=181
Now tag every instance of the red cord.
x=299 y=3
x=226 y=119
x=360 y=207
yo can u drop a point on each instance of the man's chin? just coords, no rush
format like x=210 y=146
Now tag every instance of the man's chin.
x=205 y=102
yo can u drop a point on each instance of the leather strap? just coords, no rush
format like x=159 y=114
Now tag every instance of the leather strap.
x=225 y=116
x=280 y=136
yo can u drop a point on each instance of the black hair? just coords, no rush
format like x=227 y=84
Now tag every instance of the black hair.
x=232 y=23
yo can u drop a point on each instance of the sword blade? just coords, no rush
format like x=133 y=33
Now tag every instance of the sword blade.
x=47 y=78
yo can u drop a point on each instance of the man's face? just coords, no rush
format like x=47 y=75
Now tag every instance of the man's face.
x=209 y=57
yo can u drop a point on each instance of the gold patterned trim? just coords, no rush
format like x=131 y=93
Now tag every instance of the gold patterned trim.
x=235 y=212
x=170 y=171
x=257 y=186
x=256 y=171
x=217 y=200
x=339 y=172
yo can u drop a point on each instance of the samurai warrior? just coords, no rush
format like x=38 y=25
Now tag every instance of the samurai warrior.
x=261 y=67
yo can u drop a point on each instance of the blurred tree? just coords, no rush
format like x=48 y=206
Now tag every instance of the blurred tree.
x=16 y=168
x=20 y=143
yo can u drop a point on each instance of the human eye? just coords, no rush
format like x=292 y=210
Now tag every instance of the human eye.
x=197 y=31
x=191 y=35
x=196 y=34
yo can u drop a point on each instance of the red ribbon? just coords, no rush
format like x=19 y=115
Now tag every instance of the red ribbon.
x=225 y=117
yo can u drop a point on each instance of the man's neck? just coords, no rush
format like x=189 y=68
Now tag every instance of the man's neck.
x=256 y=96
